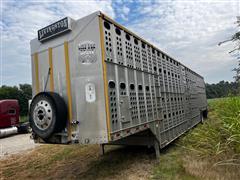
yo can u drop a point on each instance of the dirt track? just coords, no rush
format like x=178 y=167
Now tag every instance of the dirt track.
x=15 y=144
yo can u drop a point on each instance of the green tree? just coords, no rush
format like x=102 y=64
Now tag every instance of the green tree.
x=236 y=40
x=221 y=89
x=22 y=94
x=26 y=94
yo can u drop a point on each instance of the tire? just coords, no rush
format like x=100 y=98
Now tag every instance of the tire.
x=205 y=114
x=201 y=117
x=48 y=114
x=24 y=128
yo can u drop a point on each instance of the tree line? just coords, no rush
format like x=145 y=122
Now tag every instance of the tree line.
x=222 y=89
x=23 y=93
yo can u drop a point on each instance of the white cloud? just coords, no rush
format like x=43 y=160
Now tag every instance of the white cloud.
x=187 y=30
x=125 y=10
x=190 y=31
x=19 y=24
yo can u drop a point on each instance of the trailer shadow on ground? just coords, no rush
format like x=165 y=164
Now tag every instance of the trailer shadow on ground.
x=121 y=161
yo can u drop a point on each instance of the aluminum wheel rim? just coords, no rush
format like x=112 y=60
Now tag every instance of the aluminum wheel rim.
x=42 y=115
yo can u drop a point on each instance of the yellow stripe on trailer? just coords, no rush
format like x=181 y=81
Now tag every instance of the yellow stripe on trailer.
x=36 y=72
x=68 y=84
x=51 y=69
x=105 y=78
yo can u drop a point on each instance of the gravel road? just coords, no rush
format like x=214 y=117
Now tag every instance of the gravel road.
x=15 y=144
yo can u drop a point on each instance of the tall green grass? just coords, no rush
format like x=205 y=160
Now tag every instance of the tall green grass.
x=228 y=111
x=220 y=133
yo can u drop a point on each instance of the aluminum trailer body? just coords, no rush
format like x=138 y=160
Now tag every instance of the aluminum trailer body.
x=117 y=87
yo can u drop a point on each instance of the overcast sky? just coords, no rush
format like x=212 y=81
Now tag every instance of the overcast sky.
x=188 y=30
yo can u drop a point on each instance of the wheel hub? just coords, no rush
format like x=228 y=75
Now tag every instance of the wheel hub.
x=42 y=115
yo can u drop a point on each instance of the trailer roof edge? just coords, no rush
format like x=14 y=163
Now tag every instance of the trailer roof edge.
x=104 y=16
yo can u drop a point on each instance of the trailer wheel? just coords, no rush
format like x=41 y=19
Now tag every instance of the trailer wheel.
x=24 y=128
x=205 y=113
x=48 y=114
x=201 y=117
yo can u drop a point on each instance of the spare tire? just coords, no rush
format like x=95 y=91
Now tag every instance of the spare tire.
x=48 y=114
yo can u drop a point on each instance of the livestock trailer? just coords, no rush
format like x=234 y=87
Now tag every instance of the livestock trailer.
x=96 y=82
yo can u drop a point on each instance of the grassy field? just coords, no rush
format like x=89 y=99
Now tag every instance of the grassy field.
x=209 y=151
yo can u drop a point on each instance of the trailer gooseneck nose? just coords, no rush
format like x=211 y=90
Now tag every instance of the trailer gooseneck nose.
x=96 y=82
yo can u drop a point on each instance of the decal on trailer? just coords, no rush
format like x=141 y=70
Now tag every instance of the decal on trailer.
x=87 y=52
x=55 y=29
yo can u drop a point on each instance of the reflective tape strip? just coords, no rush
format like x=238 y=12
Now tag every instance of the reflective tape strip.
x=68 y=84
x=36 y=72
x=51 y=69
x=105 y=79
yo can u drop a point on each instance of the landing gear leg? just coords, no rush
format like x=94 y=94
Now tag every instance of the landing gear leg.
x=157 y=149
